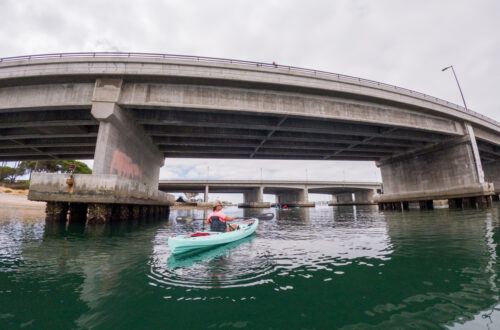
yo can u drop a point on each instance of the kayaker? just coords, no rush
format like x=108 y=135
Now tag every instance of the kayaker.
x=222 y=217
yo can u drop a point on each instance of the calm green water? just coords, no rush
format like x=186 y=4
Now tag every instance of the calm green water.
x=322 y=268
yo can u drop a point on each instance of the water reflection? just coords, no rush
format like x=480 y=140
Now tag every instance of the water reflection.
x=190 y=258
x=289 y=245
x=326 y=267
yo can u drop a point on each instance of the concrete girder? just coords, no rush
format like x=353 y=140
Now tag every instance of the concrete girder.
x=259 y=156
x=67 y=155
x=64 y=123
x=336 y=190
x=271 y=151
x=47 y=144
x=489 y=149
x=33 y=97
x=76 y=117
x=165 y=143
x=487 y=136
x=271 y=124
x=20 y=136
x=316 y=137
x=49 y=153
x=244 y=134
x=215 y=98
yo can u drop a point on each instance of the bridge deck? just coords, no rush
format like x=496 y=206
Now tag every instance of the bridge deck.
x=223 y=109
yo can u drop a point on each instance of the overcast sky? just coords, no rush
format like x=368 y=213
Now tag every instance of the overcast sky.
x=404 y=43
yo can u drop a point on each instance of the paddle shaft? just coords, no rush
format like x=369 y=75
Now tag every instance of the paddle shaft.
x=265 y=216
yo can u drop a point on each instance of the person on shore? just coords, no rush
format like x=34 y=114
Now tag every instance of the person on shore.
x=218 y=220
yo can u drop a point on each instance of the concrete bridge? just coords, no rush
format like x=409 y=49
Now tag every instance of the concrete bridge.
x=292 y=193
x=130 y=111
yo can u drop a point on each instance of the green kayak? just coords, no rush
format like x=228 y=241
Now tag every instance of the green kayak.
x=206 y=239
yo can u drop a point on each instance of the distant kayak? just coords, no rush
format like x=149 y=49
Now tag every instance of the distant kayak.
x=206 y=239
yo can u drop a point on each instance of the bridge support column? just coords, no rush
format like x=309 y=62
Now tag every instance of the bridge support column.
x=56 y=211
x=295 y=198
x=205 y=197
x=254 y=198
x=364 y=197
x=126 y=165
x=449 y=170
x=342 y=199
x=122 y=147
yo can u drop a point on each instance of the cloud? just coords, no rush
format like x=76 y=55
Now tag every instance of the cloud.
x=405 y=43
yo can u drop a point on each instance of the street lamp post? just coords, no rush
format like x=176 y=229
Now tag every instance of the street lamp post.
x=459 y=88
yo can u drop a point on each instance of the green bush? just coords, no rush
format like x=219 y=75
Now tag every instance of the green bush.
x=8 y=191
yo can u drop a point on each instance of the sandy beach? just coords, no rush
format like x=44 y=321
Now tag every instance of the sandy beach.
x=15 y=204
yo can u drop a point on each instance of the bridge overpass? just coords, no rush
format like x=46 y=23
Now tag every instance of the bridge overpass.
x=293 y=193
x=131 y=111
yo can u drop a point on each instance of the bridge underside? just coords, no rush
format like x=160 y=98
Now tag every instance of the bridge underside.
x=241 y=128
x=54 y=134
x=129 y=114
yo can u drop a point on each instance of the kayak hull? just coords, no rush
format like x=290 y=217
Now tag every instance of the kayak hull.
x=206 y=239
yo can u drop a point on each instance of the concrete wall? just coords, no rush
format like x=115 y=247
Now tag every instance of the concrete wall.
x=122 y=147
x=446 y=170
x=95 y=188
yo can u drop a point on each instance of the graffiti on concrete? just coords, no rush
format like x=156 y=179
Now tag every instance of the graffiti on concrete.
x=122 y=165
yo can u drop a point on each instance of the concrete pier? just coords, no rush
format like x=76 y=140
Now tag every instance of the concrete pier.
x=125 y=173
x=450 y=170
x=254 y=198
x=360 y=197
x=292 y=198
x=98 y=198
x=122 y=147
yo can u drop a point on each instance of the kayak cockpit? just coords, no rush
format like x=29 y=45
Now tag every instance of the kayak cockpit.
x=205 y=239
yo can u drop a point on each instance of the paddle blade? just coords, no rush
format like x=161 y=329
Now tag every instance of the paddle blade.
x=183 y=219
x=265 y=216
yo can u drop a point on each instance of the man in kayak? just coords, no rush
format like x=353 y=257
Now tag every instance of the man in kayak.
x=220 y=219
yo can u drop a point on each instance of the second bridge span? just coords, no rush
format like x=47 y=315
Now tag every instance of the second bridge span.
x=286 y=191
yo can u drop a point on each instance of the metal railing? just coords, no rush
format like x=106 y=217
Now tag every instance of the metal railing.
x=249 y=63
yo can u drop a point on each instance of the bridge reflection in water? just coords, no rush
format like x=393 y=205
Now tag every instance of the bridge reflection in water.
x=326 y=267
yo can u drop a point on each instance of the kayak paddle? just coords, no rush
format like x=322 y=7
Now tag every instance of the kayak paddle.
x=265 y=216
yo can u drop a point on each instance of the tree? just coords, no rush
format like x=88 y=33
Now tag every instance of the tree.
x=9 y=173
x=53 y=166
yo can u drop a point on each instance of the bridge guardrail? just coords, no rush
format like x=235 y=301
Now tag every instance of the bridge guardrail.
x=247 y=63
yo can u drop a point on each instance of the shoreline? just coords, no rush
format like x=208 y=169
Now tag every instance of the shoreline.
x=15 y=205
x=18 y=199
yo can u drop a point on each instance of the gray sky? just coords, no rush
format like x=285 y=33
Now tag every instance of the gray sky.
x=404 y=43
